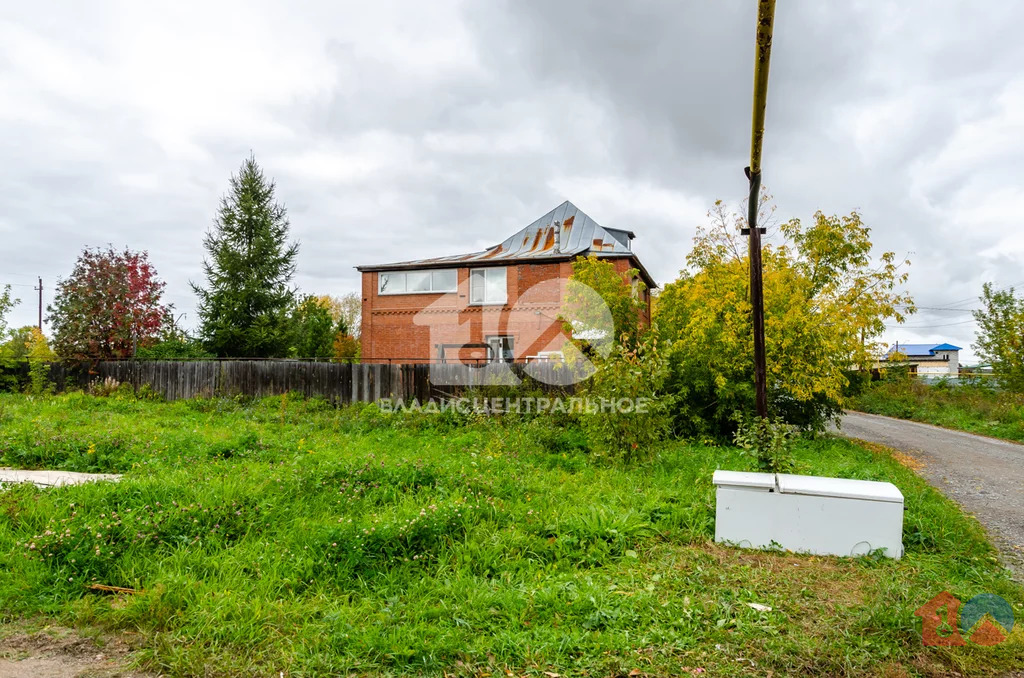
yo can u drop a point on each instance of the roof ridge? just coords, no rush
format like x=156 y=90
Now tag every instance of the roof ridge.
x=565 y=231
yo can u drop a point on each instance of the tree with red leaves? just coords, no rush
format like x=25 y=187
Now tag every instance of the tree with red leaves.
x=109 y=306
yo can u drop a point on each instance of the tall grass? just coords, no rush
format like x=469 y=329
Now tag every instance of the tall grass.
x=285 y=535
x=977 y=408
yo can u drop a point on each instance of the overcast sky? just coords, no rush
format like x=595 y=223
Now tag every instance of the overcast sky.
x=410 y=129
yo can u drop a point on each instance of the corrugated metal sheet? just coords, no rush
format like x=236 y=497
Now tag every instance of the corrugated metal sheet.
x=917 y=350
x=565 y=231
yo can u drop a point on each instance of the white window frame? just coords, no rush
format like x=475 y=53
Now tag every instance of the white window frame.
x=402 y=276
x=478 y=278
x=495 y=342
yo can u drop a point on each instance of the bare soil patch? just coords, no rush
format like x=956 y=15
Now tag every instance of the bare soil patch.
x=57 y=652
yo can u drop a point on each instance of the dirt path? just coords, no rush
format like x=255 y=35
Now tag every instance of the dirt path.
x=984 y=475
x=63 y=653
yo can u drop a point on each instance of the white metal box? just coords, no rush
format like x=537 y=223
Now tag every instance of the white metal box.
x=811 y=514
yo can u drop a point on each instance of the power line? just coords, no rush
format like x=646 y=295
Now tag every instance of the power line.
x=926 y=327
x=940 y=308
x=998 y=289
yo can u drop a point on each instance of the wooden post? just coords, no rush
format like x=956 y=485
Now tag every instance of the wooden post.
x=40 y=289
x=765 y=20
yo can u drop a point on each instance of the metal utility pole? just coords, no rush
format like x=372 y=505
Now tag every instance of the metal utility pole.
x=765 y=20
x=40 y=289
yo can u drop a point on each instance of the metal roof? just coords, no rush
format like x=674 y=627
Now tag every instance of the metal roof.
x=911 y=350
x=565 y=232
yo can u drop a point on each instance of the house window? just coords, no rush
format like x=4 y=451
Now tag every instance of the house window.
x=417 y=282
x=444 y=280
x=488 y=286
x=502 y=348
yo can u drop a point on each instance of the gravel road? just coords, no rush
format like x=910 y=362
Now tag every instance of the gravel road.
x=985 y=476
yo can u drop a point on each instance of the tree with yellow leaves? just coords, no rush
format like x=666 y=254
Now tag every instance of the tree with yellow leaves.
x=347 y=312
x=827 y=300
x=39 y=355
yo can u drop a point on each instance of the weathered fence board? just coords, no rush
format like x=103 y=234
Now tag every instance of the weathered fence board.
x=340 y=383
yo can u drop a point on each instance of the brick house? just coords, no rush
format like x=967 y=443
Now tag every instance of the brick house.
x=498 y=304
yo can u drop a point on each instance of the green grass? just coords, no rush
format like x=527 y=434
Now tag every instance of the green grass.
x=973 y=408
x=288 y=536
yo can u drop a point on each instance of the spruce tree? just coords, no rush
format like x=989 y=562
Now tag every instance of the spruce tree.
x=246 y=304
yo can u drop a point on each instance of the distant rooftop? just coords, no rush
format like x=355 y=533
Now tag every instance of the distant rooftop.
x=921 y=350
x=565 y=232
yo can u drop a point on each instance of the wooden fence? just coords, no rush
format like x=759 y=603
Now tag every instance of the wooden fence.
x=340 y=383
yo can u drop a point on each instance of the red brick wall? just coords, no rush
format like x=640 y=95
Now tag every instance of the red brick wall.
x=408 y=328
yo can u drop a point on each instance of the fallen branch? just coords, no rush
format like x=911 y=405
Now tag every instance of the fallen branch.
x=112 y=589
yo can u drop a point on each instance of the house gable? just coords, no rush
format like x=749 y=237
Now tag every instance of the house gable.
x=416 y=310
x=564 y=233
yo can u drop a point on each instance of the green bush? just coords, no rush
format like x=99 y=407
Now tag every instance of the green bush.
x=769 y=442
x=633 y=407
x=174 y=347
x=706 y=406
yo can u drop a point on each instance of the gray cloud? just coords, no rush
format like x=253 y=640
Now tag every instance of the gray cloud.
x=402 y=129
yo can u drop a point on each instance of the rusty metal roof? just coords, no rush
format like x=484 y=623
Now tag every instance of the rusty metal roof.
x=563 y=233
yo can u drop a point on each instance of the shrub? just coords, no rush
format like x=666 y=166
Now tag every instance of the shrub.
x=769 y=441
x=39 y=358
x=177 y=347
x=635 y=409
x=825 y=299
x=104 y=388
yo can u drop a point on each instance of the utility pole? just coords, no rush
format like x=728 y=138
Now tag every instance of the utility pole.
x=40 y=289
x=765 y=21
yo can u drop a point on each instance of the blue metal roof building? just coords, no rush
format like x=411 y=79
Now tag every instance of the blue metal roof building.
x=927 y=360
x=922 y=350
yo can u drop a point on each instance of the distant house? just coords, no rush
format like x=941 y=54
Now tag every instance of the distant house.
x=501 y=304
x=927 y=359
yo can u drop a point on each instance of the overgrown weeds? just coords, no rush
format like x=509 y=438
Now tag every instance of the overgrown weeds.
x=976 y=407
x=317 y=541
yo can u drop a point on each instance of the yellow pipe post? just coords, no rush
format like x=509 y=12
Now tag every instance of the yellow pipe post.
x=765 y=20
x=762 y=58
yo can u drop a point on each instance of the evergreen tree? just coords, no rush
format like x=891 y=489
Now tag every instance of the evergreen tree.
x=313 y=329
x=246 y=304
